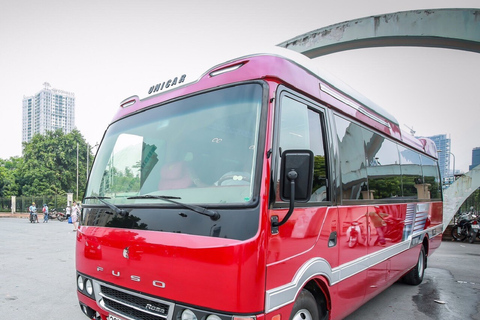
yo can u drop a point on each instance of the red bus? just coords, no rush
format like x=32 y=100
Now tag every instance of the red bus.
x=262 y=190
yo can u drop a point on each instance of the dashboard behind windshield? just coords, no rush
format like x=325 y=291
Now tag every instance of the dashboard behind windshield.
x=200 y=149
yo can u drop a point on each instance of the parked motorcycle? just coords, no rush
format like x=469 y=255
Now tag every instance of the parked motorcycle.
x=53 y=214
x=475 y=229
x=33 y=217
x=62 y=216
x=461 y=230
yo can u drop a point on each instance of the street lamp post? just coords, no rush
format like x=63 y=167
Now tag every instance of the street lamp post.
x=88 y=156
x=453 y=173
x=453 y=166
x=77 y=172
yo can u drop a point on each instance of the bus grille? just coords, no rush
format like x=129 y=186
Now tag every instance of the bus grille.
x=133 y=306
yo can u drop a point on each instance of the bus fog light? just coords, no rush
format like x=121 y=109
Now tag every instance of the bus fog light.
x=188 y=315
x=89 y=287
x=80 y=283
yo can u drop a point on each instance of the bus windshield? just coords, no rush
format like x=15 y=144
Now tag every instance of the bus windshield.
x=200 y=149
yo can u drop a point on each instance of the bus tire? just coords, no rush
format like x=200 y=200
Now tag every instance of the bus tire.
x=305 y=307
x=415 y=276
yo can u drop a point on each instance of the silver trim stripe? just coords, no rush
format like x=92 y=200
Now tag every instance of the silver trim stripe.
x=281 y=296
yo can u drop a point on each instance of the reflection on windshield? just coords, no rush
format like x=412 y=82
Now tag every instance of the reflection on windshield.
x=201 y=149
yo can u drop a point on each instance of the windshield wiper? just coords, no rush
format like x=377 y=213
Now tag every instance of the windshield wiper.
x=117 y=210
x=214 y=215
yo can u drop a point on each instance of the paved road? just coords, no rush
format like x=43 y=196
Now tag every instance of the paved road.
x=37 y=279
x=37 y=271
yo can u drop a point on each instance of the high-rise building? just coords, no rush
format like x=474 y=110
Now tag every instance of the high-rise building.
x=48 y=110
x=475 y=158
x=443 y=147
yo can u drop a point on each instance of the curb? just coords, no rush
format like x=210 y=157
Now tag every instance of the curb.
x=19 y=215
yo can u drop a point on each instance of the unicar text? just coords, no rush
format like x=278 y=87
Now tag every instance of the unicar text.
x=167 y=84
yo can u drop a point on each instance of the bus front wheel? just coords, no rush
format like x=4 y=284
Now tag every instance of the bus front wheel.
x=305 y=308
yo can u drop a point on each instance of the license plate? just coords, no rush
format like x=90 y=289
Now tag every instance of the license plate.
x=476 y=226
x=110 y=317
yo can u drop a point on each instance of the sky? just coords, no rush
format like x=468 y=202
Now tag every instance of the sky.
x=107 y=50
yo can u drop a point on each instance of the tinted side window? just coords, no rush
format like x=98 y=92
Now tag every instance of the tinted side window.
x=294 y=125
x=411 y=172
x=383 y=167
x=353 y=166
x=301 y=128
x=431 y=178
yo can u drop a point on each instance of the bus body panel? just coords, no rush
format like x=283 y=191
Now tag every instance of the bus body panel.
x=350 y=294
x=356 y=273
x=181 y=262
x=297 y=243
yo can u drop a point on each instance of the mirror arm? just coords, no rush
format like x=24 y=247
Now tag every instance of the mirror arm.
x=292 y=175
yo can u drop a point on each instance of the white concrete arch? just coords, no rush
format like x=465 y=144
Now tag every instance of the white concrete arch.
x=441 y=28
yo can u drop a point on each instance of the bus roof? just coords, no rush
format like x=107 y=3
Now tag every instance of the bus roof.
x=309 y=64
x=338 y=90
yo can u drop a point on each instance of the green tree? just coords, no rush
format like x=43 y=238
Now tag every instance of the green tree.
x=9 y=176
x=50 y=163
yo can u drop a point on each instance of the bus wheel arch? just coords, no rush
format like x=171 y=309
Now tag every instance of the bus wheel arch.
x=415 y=275
x=314 y=295
x=426 y=246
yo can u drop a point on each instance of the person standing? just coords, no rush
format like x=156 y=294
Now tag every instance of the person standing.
x=75 y=213
x=45 y=213
x=68 y=212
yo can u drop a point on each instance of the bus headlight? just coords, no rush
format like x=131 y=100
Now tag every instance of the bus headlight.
x=188 y=314
x=80 y=283
x=89 y=286
x=213 y=317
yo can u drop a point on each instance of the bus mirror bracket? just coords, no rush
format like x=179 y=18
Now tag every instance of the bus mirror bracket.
x=296 y=178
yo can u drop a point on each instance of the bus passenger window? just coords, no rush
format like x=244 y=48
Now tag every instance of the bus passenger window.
x=383 y=167
x=301 y=128
x=351 y=146
x=411 y=172
x=431 y=178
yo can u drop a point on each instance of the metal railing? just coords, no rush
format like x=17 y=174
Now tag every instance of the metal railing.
x=22 y=203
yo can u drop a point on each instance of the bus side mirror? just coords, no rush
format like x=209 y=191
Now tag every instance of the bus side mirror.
x=297 y=167
x=296 y=178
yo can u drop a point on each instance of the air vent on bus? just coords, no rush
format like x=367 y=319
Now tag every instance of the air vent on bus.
x=130 y=101
x=226 y=69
